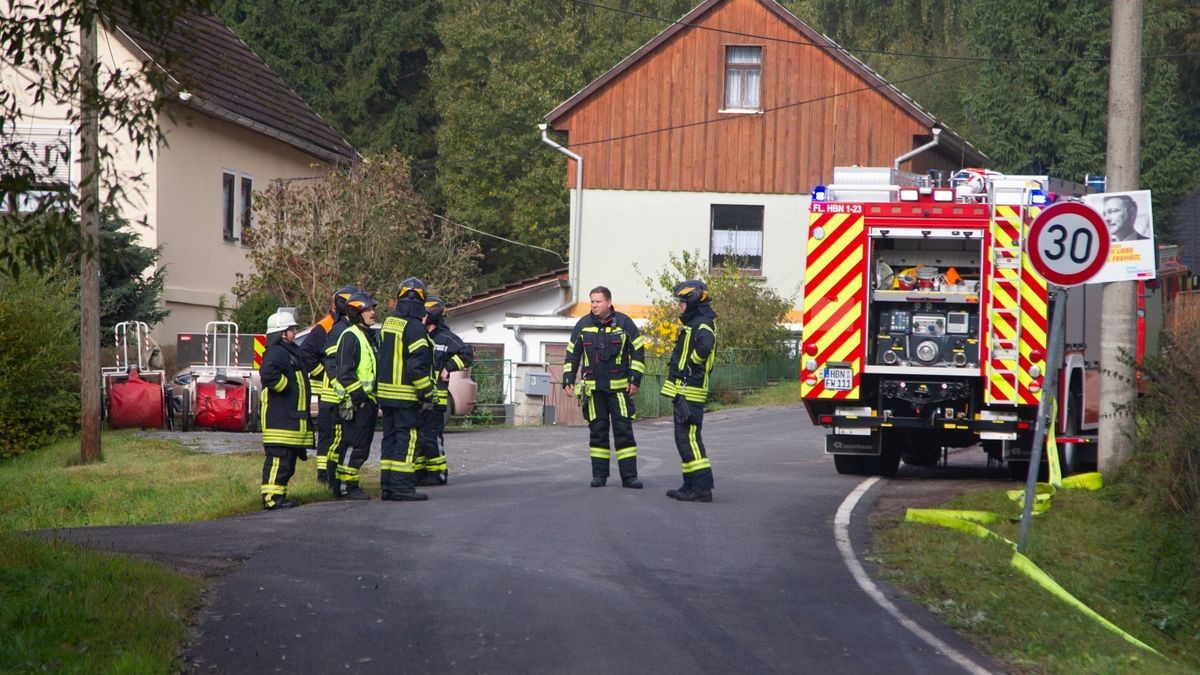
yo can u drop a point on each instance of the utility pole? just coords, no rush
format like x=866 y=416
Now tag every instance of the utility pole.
x=1118 y=327
x=89 y=230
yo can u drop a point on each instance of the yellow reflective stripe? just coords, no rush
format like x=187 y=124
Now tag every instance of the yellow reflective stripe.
x=670 y=388
x=398 y=392
x=347 y=473
x=443 y=396
x=621 y=406
x=639 y=342
x=637 y=366
x=689 y=467
x=600 y=453
x=626 y=453
x=274 y=474
x=279 y=385
x=302 y=437
x=422 y=382
x=458 y=362
x=618 y=384
x=279 y=490
x=695 y=358
x=417 y=346
x=436 y=464
x=354 y=386
x=567 y=367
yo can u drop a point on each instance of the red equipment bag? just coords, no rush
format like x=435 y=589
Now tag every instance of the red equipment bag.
x=135 y=403
x=221 y=405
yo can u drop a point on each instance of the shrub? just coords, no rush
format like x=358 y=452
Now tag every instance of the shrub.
x=39 y=359
x=252 y=311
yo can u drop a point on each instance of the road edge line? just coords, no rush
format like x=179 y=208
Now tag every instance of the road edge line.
x=841 y=535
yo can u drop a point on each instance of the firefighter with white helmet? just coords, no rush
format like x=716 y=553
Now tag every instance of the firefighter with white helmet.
x=287 y=430
x=354 y=386
x=405 y=388
x=687 y=384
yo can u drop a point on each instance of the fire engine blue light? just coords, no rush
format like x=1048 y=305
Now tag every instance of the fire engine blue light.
x=819 y=194
x=1038 y=198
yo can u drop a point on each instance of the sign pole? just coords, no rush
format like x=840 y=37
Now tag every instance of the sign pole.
x=1045 y=406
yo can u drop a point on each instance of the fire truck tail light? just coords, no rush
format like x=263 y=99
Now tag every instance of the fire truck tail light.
x=943 y=194
x=811 y=365
x=909 y=194
x=1022 y=426
x=1036 y=355
x=810 y=348
x=825 y=419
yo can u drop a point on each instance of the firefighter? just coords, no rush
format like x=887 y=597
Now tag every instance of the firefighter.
x=450 y=354
x=605 y=355
x=687 y=385
x=354 y=386
x=312 y=351
x=329 y=394
x=286 y=430
x=405 y=389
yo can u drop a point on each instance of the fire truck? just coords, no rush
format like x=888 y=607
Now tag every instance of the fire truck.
x=925 y=327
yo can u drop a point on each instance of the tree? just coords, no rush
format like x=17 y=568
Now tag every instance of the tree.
x=365 y=226
x=749 y=314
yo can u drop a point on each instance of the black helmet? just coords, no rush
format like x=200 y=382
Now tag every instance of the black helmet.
x=435 y=307
x=341 y=296
x=411 y=287
x=691 y=292
x=357 y=303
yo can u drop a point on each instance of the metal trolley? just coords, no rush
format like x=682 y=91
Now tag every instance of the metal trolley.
x=220 y=387
x=134 y=391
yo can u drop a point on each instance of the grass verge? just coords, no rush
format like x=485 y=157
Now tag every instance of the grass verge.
x=1121 y=562
x=66 y=609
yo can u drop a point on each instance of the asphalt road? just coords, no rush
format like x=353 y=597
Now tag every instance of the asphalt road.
x=517 y=566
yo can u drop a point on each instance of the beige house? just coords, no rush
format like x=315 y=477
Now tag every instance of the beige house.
x=232 y=126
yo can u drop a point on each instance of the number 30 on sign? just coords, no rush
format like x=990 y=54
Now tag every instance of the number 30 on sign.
x=1068 y=243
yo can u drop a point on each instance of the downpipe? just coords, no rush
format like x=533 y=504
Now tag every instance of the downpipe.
x=937 y=137
x=577 y=218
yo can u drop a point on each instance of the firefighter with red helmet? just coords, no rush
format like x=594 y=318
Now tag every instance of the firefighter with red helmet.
x=405 y=388
x=450 y=355
x=354 y=385
x=312 y=351
x=687 y=385
x=605 y=356
x=287 y=433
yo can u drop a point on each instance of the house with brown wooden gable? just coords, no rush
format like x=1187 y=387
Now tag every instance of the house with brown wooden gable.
x=712 y=136
x=231 y=127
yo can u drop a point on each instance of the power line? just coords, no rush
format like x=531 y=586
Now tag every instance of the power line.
x=496 y=236
x=882 y=52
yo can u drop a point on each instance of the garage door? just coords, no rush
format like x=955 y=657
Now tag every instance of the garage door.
x=566 y=408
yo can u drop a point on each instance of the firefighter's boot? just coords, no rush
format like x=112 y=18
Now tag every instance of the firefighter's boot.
x=599 y=481
x=693 y=495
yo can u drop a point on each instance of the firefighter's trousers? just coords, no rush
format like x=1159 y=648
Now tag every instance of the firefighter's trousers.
x=431 y=454
x=689 y=418
x=355 y=446
x=278 y=468
x=401 y=433
x=328 y=435
x=600 y=407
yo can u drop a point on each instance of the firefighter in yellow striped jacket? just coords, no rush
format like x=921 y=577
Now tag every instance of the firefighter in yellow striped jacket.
x=286 y=428
x=687 y=385
x=405 y=390
x=313 y=351
x=605 y=361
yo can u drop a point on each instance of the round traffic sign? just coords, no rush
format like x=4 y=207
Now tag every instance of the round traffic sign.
x=1068 y=243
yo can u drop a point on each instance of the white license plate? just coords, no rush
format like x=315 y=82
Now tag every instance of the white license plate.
x=839 y=379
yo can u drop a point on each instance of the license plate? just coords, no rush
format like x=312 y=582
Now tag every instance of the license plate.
x=839 y=379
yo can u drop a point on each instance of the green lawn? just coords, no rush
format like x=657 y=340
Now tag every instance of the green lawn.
x=1122 y=563
x=65 y=609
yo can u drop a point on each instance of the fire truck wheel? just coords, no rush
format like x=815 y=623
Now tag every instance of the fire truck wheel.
x=885 y=464
x=849 y=464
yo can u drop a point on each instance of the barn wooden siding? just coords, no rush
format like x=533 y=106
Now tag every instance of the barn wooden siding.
x=806 y=128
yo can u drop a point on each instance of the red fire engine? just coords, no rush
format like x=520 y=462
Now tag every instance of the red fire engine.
x=925 y=326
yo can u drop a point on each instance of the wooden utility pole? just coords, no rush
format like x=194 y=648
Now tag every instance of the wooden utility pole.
x=89 y=229
x=1118 y=327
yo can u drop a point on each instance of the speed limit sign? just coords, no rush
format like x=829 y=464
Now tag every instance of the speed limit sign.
x=1068 y=243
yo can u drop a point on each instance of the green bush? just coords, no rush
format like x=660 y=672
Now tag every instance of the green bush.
x=39 y=360
x=252 y=311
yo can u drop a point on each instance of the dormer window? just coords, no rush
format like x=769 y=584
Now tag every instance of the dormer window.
x=743 y=78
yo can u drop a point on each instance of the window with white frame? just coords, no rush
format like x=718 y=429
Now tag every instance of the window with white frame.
x=237 y=192
x=737 y=234
x=37 y=161
x=743 y=78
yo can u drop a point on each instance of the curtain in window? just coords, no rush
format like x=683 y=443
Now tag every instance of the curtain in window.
x=743 y=77
x=740 y=243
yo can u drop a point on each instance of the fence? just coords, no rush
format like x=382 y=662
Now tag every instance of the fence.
x=735 y=370
x=495 y=379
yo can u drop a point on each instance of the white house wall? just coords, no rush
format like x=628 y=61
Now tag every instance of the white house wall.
x=201 y=265
x=627 y=235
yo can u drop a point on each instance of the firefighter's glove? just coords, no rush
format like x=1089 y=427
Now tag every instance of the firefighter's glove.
x=358 y=396
x=346 y=410
x=427 y=406
x=683 y=412
x=301 y=454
